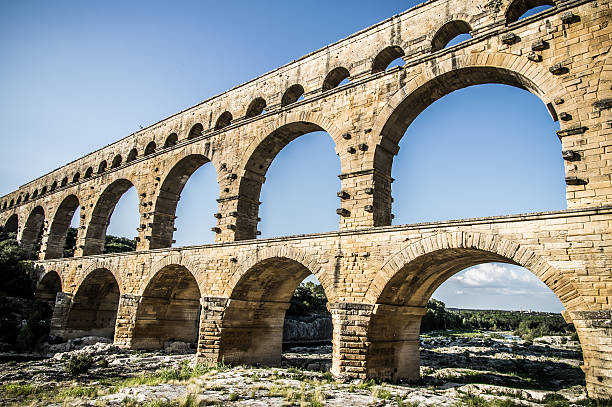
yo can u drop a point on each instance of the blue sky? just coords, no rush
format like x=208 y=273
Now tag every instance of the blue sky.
x=79 y=75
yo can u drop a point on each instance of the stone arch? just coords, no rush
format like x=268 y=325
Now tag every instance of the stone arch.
x=162 y=226
x=35 y=194
x=437 y=81
x=100 y=217
x=33 y=228
x=150 y=148
x=26 y=198
x=334 y=77
x=169 y=309
x=471 y=248
x=389 y=54
x=59 y=227
x=132 y=155
x=224 y=120
x=407 y=280
x=48 y=286
x=519 y=7
x=76 y=177
x=64 y=181
x=256 y=107
x=259 y=155
x=292 y=94
x=447 y=32
x=195 y=131
x=53 y=186
x=299 y=256
x=260 y=292
x=171 y=140
x=88 y=172
x=102 y=167
x=12 y=224
x=93 y=309
x=117 y=160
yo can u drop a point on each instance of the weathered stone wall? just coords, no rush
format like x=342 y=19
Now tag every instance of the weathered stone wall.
x=372 y=273
x=560 y=55
x=371 y=277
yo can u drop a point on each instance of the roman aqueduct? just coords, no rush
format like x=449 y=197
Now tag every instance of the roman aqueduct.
x=231 y=296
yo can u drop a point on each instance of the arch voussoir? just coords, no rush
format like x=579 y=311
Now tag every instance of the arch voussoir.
x=499 y=248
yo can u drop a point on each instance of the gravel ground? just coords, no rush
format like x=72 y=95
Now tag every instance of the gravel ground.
x=454 y=370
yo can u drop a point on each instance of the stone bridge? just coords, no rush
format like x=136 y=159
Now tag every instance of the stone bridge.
x=231 y=295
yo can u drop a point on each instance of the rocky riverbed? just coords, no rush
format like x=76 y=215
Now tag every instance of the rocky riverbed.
x=474 y=369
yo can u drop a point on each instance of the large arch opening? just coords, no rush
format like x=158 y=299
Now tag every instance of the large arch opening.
x=254 y=322
x=58 y=230
x=12 y=225
x=189 y=217
x=48 y=287
x=169 y=310
x=480 y=157
x=395 y=348
x=94 y=306
x=279 y=160
x=125 y=220
x=33 y=230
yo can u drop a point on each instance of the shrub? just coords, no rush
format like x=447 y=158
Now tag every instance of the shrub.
x=78 y=364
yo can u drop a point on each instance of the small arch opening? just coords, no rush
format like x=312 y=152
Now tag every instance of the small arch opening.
x=26 y=198
x=53 y=186
x=335 y=78
x=34 y=194
x=76 y=177
x=117 y=161
x=18 y=200
x=196 y=131
x=150 y=149
x=12 y=202
x=224 y=120
x=451 y=33
x=132 y=155
x=102 y=167
x=256 y=107
x=520 y=9
x=292 y=95
x=88 y=172
x=43 y=190
x=388 y=58
x=171 y=140
x=64 y=181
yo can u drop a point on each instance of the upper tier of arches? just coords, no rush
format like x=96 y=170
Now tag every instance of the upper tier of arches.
x=378 y=61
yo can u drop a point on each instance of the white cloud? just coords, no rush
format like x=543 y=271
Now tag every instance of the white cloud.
x=494 y=275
